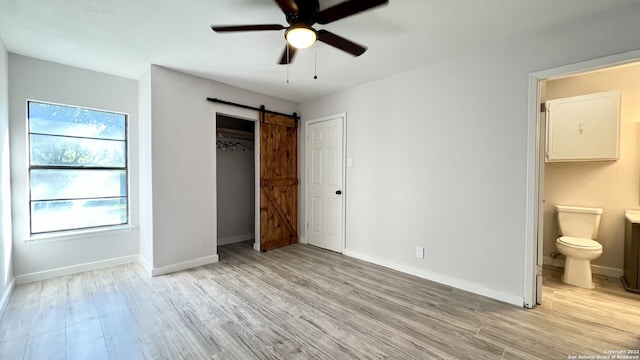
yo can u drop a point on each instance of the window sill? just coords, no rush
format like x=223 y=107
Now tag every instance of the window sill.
x=78 y=234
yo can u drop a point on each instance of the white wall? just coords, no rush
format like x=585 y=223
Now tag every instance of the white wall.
x=440 y=155
x=184 y=161
x=46 y=81
x=146 y=182
x=235 y=193
x=6 y=258
x=611 y=185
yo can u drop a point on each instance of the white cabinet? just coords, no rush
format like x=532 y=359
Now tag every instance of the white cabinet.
x=583 y=128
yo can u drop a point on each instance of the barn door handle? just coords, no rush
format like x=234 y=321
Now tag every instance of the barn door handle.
x=338 y=192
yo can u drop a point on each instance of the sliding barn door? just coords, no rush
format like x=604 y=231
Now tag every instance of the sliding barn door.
x=278 y=182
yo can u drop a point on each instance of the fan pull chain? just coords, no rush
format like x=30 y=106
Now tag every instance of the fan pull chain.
x=288 y=60
x=315 y=62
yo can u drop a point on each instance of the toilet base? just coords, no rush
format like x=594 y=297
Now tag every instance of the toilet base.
x=577 y=272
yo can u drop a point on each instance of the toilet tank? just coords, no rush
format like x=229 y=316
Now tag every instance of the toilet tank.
x=577 y=221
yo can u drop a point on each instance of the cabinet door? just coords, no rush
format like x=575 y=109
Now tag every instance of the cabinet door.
x=583 y=128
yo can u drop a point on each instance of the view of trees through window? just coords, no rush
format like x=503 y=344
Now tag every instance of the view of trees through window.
x=77 y=168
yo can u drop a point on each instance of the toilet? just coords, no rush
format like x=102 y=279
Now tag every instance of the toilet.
x=578 y=228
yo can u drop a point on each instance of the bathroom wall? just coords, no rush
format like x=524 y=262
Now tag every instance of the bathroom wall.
x=611 y=185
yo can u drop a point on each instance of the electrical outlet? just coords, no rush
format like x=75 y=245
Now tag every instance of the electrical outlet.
x=420 y=252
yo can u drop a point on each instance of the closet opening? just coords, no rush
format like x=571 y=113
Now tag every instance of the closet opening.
x=235 y=180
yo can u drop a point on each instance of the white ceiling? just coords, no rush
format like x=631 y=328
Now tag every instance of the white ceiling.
x=123 y=37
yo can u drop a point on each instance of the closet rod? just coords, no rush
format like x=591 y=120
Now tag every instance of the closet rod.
x=261 y=108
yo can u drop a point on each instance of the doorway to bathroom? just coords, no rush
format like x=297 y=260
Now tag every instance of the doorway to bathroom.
x=611 y=185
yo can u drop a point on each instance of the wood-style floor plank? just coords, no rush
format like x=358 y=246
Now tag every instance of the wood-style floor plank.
x=86 y=341
x=50 y=345
x=13 y=349
x=302 y=302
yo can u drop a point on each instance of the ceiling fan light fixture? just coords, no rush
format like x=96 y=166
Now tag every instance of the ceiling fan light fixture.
x=301 y=36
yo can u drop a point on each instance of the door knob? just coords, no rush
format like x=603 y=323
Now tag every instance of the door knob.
x=338 y=192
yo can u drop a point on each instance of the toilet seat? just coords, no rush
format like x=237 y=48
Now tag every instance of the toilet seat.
x=580 y=242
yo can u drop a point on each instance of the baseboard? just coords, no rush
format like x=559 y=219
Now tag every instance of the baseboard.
x=596 y=269
x=74 y=269
x=439 y=278
x=6 y=296
x=184 y=265
x=145 y=265
x=235 y=239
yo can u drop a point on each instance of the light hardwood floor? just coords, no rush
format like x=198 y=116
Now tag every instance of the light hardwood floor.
x=301 y=302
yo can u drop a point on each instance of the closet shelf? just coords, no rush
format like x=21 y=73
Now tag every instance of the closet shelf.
x=234 y=133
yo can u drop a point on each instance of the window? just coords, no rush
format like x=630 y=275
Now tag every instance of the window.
x=77 y=168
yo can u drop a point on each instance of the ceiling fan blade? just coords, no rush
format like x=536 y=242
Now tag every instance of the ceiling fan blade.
x=292 y=52
x=266 y=27
x=345 y=9
x=341 y=43
x=288 y=6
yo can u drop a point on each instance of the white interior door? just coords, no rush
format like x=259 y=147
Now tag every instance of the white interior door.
x=324 y=183
x=542 y=145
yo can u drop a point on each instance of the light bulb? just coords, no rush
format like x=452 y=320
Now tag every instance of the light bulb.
x=301 y=36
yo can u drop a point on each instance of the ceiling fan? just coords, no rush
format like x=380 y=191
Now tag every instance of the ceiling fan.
x=301 y=16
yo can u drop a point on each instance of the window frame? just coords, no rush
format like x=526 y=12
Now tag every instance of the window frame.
x=71 y=231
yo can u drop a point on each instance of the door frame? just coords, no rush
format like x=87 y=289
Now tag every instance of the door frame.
x=307 y=177
x=249 y=115
x=536 y=140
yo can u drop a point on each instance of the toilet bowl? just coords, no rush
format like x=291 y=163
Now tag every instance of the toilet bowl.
x=578 y=252
x=579 y=229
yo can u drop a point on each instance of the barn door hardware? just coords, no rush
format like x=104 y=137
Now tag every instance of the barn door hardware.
x=261 y=109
